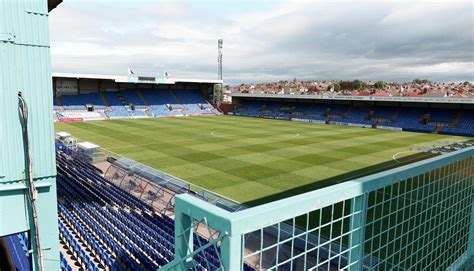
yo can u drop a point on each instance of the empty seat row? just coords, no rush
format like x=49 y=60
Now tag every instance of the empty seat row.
x=414 y=119
x=146 y=102
x=105 y=233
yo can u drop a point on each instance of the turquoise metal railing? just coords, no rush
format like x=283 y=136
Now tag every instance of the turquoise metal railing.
x=415 y=217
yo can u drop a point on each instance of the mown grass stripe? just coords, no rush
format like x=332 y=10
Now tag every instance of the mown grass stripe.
x=249 y=159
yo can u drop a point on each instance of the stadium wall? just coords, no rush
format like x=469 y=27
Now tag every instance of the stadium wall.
x=416 y=217
x=226 y=108
x=25 y=66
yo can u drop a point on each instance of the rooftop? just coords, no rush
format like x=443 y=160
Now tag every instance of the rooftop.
x=136 y=78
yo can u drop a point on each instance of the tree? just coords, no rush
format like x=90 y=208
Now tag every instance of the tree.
x=357 y=84
x=346 y=84
x=421 y=81
x=283 y=83
x=336 y=87
x=380 y=85
x=294 y=80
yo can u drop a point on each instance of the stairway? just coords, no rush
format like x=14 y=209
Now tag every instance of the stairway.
x=395 y=115
x=103 y=115
x=425 y=117
x=142 y=98
x=60 y=104
x=347 y=112
x=438 y=128
x=55 y=117
x=149 y=113
x=215 y=106
x=456 y=119
x=122 y=99
x=177 y=100
x=106 y=103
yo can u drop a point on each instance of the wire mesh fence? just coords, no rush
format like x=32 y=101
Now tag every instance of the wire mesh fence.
x=416 y=217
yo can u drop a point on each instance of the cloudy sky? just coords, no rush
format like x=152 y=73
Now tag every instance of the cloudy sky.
x=267 y=40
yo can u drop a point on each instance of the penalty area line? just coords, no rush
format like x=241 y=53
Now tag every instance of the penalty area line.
x=394 y=157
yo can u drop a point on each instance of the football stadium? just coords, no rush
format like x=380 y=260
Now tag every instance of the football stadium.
x=131 y=172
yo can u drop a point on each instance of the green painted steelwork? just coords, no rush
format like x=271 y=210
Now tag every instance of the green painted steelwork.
x=25 y=66
x=415 y=217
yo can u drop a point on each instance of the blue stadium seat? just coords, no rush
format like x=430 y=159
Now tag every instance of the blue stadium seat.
x=133 y=236
x=78 y=102
x=406 y=118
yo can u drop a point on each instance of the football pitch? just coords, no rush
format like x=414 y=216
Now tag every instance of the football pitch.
x=254 y=160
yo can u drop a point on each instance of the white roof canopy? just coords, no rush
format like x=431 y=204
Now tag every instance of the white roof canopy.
x=136 y=79
x=87 y=145
x=63 y=134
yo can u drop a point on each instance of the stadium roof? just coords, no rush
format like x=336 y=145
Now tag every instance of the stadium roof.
x=52 y=4
x=136 y=79
x=87 y=145
x=63 y=134
x=358 y=98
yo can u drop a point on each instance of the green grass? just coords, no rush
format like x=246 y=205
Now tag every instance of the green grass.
x=253 y=160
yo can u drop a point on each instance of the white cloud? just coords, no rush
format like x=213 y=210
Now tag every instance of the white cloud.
x=442 y=68
x=269 y=40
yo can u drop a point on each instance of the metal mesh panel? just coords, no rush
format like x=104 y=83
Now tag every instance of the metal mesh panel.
x=315 y=240
x=416 y=217
x=422 y=222
x=418 y=223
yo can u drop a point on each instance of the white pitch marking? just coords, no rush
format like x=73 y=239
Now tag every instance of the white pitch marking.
x=296 y=135
x=398 y=153
x=213 y=133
